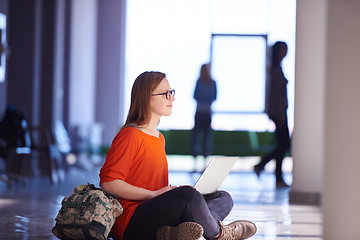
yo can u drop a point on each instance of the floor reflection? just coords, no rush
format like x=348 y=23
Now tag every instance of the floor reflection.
x=28 y=211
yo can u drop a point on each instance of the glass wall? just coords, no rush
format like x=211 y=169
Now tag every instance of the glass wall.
x=178 y=36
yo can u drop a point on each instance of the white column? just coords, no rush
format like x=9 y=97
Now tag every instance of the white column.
x=59 y=44
x=341 y=211
x=82 y=65
x=308 y=134
x=326 y=138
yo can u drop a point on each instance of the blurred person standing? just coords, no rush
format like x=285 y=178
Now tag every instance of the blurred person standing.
x=205 y=93
x=276 y=107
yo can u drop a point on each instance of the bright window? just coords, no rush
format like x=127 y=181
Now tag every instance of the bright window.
x=238 y=66
x=174 y=37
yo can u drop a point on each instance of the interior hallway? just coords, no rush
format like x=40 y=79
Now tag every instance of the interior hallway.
x=28 y=212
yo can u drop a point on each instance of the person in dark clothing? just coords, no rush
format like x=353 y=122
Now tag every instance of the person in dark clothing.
x=204 y=94
x=277 y=104
x=13 y=130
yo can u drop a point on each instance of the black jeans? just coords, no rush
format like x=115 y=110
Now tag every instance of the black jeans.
x=202 y=135
x=182 y=204
x=282 y=147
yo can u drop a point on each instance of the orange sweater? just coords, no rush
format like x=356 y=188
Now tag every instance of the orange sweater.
x=140 y=160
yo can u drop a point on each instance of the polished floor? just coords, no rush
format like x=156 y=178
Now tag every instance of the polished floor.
x=27 y=210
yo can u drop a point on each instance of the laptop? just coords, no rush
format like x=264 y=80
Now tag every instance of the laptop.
x=214 y=174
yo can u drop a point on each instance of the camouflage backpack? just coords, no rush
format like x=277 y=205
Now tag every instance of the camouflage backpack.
x=88 y=213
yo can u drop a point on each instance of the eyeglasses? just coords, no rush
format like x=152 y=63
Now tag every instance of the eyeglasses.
x=167 y=94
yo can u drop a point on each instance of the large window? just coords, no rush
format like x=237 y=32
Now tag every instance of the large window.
x=178 y=36
x=238 y=63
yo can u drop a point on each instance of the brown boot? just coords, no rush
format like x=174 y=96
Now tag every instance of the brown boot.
x=183 y=231
x=237 y=230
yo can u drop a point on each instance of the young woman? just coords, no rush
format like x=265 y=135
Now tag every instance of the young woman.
x=136 y=171
x=204 y=94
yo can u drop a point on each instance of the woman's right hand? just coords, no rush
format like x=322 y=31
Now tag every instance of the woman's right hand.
x=163 y=190
x=127 y=191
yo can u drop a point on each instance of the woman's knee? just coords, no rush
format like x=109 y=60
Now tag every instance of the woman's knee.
x=188 y=194
x=226 y=198
x=222 y=195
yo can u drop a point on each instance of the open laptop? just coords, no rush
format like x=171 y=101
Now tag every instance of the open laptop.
x=214 y=174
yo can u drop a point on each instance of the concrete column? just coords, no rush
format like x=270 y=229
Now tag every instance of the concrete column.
x=47 y=78
x=82 y=70
x=31 y=72
x=341 y=211
x=23 y=76
x=59 y=61
x=110 y=67
x=327 y=134
x=308 y=134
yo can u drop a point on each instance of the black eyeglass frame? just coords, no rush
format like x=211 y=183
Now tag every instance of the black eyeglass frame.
x=167 y=94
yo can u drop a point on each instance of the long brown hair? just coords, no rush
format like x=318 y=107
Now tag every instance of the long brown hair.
x=205 y=73
x=142 y=89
